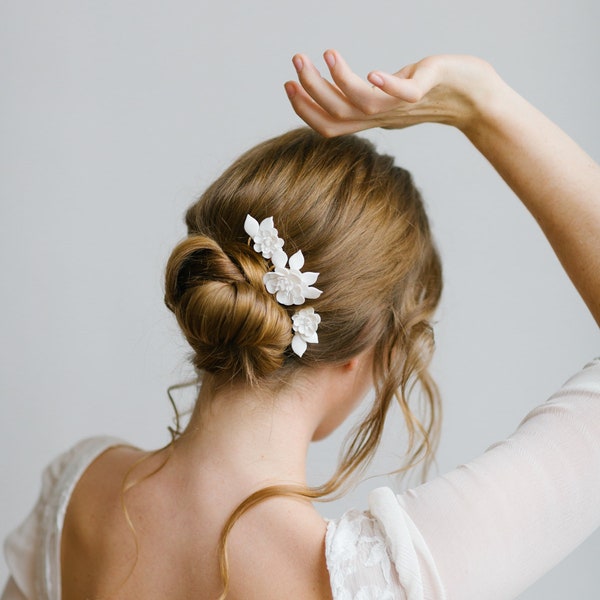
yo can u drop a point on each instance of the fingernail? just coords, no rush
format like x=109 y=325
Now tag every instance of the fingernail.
x=297 y=63
x=376 y=79
x=329 y=59
x=290 y=90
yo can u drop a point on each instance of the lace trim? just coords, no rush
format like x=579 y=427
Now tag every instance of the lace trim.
x=359 y=564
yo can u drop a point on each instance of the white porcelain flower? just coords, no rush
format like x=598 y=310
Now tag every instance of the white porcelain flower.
x=290 y=285
x=266 y=239
x=305 y=323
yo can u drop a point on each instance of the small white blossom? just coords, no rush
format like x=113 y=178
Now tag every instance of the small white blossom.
x=266 y=239
x=305 y=323
x=290 y=285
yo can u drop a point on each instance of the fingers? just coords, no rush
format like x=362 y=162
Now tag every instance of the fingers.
x=326 y=95
x=361 y=95
x=318 y=118
x=350 y=98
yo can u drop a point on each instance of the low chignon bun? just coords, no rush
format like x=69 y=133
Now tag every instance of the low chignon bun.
x=234 y=326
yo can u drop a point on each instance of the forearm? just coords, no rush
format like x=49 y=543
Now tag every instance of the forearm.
x=554 y=178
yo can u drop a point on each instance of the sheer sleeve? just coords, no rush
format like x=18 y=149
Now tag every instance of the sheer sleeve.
x=492 y=527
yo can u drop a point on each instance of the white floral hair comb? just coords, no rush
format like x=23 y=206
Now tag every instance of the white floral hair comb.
x=289 y=285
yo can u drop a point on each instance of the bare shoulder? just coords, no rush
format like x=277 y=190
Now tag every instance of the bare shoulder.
x=94 y=525
x=98 y=491
x=279 y=547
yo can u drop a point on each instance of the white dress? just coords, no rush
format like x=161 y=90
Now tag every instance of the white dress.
x=486 y=530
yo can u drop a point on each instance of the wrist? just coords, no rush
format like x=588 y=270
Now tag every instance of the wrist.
x=488 y=98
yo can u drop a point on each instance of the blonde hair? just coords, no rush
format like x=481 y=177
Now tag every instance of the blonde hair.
x=361 y=224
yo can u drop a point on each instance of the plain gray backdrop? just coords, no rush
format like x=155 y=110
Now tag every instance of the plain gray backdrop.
x=114 y=115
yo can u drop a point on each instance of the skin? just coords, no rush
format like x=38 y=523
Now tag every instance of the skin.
x=241 y=439
x=238 y=441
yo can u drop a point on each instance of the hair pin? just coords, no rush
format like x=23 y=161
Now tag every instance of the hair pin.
x=287 y=282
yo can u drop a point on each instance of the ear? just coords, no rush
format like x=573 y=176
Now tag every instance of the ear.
x=359 y=361
x=351 y=364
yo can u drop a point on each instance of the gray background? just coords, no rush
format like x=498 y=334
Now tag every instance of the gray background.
x=115 y=115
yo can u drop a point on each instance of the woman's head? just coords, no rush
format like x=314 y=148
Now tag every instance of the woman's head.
x=360 y=224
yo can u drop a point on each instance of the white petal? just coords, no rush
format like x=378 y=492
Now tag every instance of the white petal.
x=270 y=280
x=298 y=345
x=311 y=293
x=251 y=226
x=298 y=297
x=313 y=338
x=284 y=298
x=267 y=223
x=297 y=260
x=309 y=277
x=279 y=258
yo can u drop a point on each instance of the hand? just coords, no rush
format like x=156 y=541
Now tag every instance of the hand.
x=439 y=89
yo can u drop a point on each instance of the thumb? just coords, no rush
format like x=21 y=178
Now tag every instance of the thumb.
x=409 y=84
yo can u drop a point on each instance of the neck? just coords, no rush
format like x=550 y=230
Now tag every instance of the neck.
x=252 y=435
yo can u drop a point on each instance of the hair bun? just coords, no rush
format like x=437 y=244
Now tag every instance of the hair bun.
x=234 y=326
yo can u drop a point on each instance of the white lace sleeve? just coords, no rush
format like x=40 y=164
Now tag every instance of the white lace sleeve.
x=358 y=561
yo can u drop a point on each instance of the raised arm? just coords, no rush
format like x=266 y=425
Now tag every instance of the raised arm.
x=554 y=178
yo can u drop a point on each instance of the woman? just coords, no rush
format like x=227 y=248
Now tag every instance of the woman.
x=309 y=276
